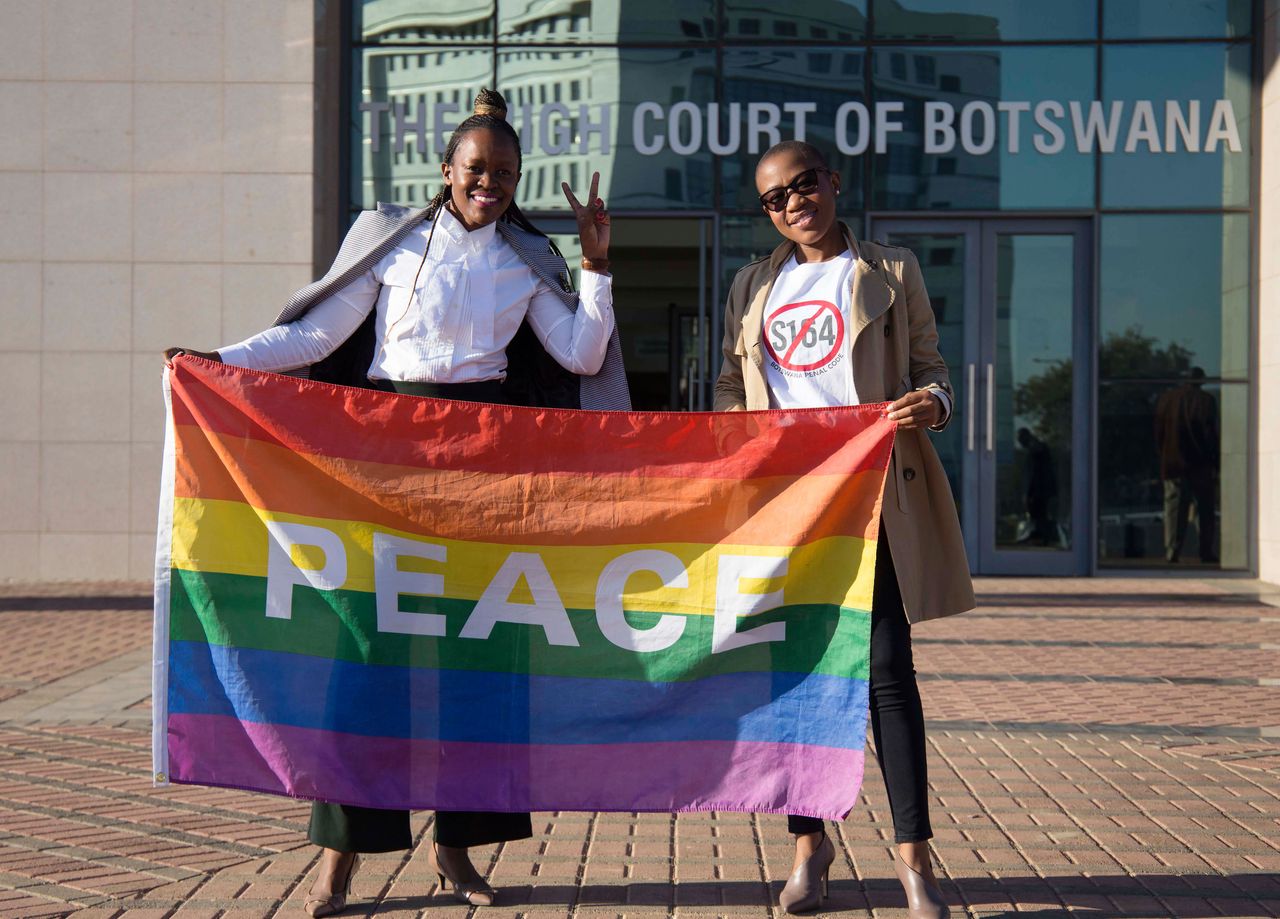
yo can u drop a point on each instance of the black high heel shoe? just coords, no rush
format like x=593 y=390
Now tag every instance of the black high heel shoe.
x=807 y=886
x=474 y=891
x=924 y=899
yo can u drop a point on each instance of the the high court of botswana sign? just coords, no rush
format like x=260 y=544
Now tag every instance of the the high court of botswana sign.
x=1077 y=179
x=978 y=128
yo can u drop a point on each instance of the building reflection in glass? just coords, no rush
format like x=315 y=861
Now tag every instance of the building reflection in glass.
x=991 y=148
x=408 y=107
x=943 y=260
x=413 y=22
x=1171 y=468
x=823 y=78
x=971 y=135
x=606 y=21
x=1174 y=327
x=1192 y=77
x=986 y=20
x=574 y=109
x=1165 y=19
x=1034 y=376
x=1186 y=437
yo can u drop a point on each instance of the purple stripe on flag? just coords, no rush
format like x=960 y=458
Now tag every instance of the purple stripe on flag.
x=398 y=773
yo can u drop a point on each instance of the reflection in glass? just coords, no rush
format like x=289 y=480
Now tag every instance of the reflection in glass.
x=656 y=265
x=1033 y=374
x=1188 y=146
x=1187 y=443
x=1175 y=19
x=1171 y=471
x=613 y=21
x=960 y=163
x=821 y=20
x=942 y=259
x=414 y=22
x=1174 y=295
x=743 y=240
x=782 y=76
x=576 y=111
x=407 y=106
x=994 y=20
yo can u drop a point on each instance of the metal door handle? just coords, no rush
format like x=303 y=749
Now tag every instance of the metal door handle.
x=972 y=378
x=991 y=408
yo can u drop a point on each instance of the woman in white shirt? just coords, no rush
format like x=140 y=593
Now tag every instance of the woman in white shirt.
x=444 y=297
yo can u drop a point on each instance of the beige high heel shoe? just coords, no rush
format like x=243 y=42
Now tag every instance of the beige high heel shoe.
x=336 y=902
x=474 y=891
x=924 y=899
x=807 y=886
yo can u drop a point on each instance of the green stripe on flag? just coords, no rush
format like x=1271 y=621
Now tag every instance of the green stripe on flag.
x=342 y=624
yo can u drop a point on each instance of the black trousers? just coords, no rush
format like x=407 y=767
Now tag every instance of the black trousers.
x=1179 y=494
x=897 y=717
x=368 y=829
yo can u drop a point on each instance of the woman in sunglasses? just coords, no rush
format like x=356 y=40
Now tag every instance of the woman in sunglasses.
x=829 y=320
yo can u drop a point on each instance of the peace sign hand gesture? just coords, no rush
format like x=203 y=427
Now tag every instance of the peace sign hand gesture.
x=593 y=221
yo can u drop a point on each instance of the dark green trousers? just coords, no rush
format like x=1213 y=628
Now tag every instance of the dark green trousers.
x=368 y=829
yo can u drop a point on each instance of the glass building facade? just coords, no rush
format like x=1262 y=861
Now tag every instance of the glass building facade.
x=1077 y=177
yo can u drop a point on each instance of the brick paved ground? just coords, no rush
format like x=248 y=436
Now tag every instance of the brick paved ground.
x=1101 y=748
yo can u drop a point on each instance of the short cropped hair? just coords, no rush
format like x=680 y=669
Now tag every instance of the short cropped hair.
x=808 y=152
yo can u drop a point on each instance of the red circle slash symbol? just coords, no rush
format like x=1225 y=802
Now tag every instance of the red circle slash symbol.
x=806 y=335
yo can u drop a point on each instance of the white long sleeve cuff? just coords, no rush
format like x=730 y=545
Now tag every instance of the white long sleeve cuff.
x=311 y=338
x=577 y=341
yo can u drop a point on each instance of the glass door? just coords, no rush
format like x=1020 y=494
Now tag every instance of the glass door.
x=661 y=270
x=1034 y=354
x=948 y=254
x=1010 y=299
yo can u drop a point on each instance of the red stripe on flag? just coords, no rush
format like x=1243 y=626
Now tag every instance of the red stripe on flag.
x=371 y=426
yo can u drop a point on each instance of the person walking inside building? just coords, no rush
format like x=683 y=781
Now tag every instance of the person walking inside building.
x=1186 y=429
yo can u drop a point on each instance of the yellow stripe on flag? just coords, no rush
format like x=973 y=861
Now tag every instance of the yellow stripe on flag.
x=229 y=537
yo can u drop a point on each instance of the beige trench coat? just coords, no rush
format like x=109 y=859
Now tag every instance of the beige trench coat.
x=895 y=350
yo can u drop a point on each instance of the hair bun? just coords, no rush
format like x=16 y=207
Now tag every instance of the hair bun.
x=490 y=102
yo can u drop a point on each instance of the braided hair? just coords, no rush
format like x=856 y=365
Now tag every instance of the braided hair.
x=489 y=112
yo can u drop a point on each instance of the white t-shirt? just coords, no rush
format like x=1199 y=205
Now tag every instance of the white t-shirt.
x=807 y=339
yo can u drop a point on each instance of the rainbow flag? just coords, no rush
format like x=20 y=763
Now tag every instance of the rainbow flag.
x=401 y=602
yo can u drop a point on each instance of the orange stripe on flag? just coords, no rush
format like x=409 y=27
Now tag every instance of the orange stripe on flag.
x=555 y=509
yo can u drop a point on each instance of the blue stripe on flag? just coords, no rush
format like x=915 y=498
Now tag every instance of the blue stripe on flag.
x=465 y=705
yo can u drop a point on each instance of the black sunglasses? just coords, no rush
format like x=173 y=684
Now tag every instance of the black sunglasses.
x=775 y=199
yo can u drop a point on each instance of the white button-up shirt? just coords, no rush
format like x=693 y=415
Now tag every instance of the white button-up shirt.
x=454 y=324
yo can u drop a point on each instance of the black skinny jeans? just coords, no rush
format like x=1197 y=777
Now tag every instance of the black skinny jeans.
x=897 y=718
